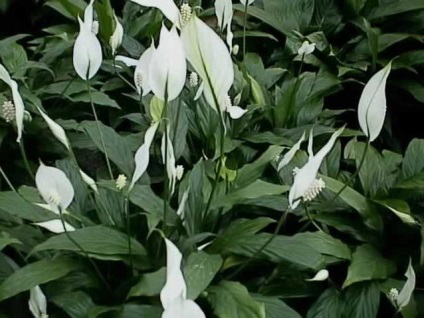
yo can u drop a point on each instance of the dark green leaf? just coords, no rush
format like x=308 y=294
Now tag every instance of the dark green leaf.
x=149 y=284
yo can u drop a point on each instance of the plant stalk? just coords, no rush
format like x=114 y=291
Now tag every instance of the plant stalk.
x=244 y=29
x=166 y=182
x=128 y=224
x=7 y=180
x=25 y=159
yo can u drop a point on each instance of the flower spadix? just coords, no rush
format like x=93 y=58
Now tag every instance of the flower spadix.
x=305 y=185
x=17 y=100
x=37 y=303
x=87 y=56
x=168 y=67
x=54 y=187
x=174 y=293
x=168 y=8
x=211 y=60
x=142 y=155
x=372 y=104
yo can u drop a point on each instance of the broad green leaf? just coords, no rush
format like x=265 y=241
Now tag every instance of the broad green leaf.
x=196 y=201
x=275 y=308
x=328 y=305
x=199 y=271
x=400 y=208
x=325 y=244
x=265 y=17
x=368 y=264
x=37 y=273
x=97 y=240
x=99 y=98
x=412 y=163
x=13 y=204
x=138 y=311
x=6 y=239
x=357 y=202
x=232 y=300
x=75 y=304
x=413 y=86
x=118 y=149
x=149 y=284
x=362 y=300
x=395 y=7
x=68 y=8
x=408 y=59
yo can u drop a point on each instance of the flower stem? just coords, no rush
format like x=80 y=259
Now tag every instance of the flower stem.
x=361 y=163
x=7 y=180
x=93 y=108
x=174 y=137
x=25 y=159
x=311 y=219
x=281 y=221
x=64 y=91
x=128 y=221
x=166 y=182
x=121 y=77
x=244 y=29
x=83 y=251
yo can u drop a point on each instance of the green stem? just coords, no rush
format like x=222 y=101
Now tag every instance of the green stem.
x=93 y=108
x=83 y=251
x=177 y=122
x=244 y=29
x=361 y=163
x=281 y=221
x=63 y=92
x=128 y=221
x=7 y=180
x=121 y=77
x=166 y=182
x=24 y=157
x=311 y=219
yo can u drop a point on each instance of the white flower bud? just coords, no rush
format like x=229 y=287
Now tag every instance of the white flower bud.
x=314 y=190
x=121 y=181
x=236 y=49
x=306 y=48
x=194 y=79
x=393 y=295
x=186 y=12
x=179 y=172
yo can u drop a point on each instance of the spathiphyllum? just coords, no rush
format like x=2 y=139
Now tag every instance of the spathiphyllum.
x=194 y=79
x=87 y=57
x=8 y=111
x=37 y=303
x=306 y=186
x=306 y=48
x=115 y=40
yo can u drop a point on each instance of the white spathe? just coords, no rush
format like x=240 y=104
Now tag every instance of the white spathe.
x=54 y=186
x=291 y=153
x=224 y=12
x=56 y=129
x=168 y=8
x=56 y=226
x=142 y=155
x=141 y=73
x=171 y=169
x=306 y=48
x=211 y=60
x=320 y=276
x=168 y=67
x=372 y=104
x=306 y=175
x=17 y=100
x=174 y=293
x=115 y=40
x=89 y=181
x=87 y=57
x=37 y=302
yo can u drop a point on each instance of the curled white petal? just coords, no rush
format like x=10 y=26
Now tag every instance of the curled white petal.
x=128 y=61
x=115 y=40
x=55 y=226
x=320 y=276
x=168 y=8
x=54 y=186
x=372 y=104
x=141 y=73
x=236 y=112
x=199 y=91
x=56 y=129
x=405 y=294
x=37 y=302
x=89 y=181
x=142 y=156
x=181 y=207
x=290 y=154
x=306 y=48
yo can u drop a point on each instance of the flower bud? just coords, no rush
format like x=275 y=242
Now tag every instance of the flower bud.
x=121 y=181
x=8 y=111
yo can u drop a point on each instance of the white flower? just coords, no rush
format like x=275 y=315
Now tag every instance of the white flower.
x=142 y=156
x=121 y=181
x=314 y=190
x=115 y=40
x=211 y=60
x=174 y=293
x=224 y=12
x=168 y=8
x=168 y=154
x=141 y=73
x=8 y=111
x=235 y=112
x=179 y=172
x=236 y=49
x=372 y=104
x=181 y=207
x=54 y=186
x=89 y=181
x=185 y=12
x=320 y=276
x=393 y=295
x=56 y=129
x=87 y=56
x=305 y=177
x=194 y=79
x=306 y=48
x=37 y=303
x=168 y=68
x=55 y=226
x=17 y=100
x=291 y=153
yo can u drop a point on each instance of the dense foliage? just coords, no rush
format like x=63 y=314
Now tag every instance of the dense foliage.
x=225 y=179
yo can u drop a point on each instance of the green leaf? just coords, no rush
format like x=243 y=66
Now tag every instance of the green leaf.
x=97 y=240
x=118 y=149
x=395 y=7
x=265 y=17
x=368 y=264
x=99 y=98
x=412 y=163
x=356 y=201
x=76 y=304
x=400 y=208
x=137 y=311
x=276 y=308
x=13 y=204
x=37 y=273
x=325 y=244
x=149 y=284
x=6 y=239
x=14 y=57
x=328 y=305
x=232 y=300
x=68 y=8
x=199 y=271
x=362 y=300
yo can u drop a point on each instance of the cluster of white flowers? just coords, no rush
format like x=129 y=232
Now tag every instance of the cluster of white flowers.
x=193 y=79
x=314 y=190
x=393 y=295
x=121 y=181
x=8 y=111
x=186 y=12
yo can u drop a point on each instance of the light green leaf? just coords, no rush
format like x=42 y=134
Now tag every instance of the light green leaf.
x=325 y=244
x=276 y=308
x=75 y=304
x=368 y=264
x=400 y=208
x=362 y=300
x=395 y=7
x=99 y=98
x=199 y=271
x=412 y=163
x=37 y=273
x=232 y=300
x=149 y=284
x=12 y=203
x=328 y=305
x=6 y=239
